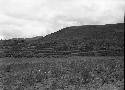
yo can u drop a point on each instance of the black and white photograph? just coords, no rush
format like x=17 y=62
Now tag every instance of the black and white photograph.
x=62 y=44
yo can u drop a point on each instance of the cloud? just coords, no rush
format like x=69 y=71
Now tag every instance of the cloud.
x=28 y=18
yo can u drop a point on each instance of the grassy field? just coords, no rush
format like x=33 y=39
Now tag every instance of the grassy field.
x=72 y=73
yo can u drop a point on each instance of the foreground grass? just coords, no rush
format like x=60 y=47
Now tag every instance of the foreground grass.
x=74 y=73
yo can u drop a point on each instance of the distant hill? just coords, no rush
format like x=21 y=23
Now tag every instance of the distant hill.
x=87 y=40
x=109 y=31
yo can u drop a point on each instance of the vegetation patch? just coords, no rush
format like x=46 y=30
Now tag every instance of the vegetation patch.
x=64 y=74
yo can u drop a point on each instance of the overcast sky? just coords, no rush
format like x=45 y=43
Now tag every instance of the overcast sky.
x=29 y=18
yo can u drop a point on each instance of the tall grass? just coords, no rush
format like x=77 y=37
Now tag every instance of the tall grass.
x=64 y=74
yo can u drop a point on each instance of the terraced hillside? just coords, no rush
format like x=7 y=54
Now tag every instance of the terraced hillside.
x=88 y=40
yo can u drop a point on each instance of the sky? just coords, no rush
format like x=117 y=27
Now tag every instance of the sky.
x=30 y=18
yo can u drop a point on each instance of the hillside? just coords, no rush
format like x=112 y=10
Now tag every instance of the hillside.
x=88 y=40
x=109 y=31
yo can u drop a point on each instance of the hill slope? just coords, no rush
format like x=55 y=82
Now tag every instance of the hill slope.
x=102 y=40
x=109 y=31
